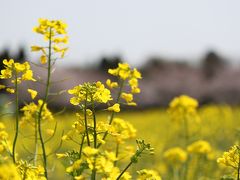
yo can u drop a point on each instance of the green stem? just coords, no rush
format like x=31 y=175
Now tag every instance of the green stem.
x=17 y=120
x=85 y=120
x=81 y=146
x=135 y=157
x=186 y=131
x=116 y=154
x=94 y=125
x=126 y=168
x=36 y=142
x=117 y=100
x=185 y=170
x=175 y=173
x=41 y=108
x=238 y=169
x=94 y=137
x=25 y=173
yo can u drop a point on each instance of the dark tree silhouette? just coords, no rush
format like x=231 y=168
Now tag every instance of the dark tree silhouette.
x=212 y=64
x=20 y=55
x=109 y=62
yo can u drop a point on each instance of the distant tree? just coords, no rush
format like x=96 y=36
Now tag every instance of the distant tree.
x=212 y=64
x=160 y=63
x=109 y=62
x=20 y=55
x=5 y=54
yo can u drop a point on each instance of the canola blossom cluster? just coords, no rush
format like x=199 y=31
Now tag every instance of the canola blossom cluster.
x=31 y=110
x=29 y=172
x=183 y=107
x=122 y=130
x=53 y=31
x=231 y=158
x=145 y=174
x=126 y=75
x=96 y=135
x=175 y=156
x=16 y=72
x=103 y=162
x=199 y=147
x=9 y=171
x=90 y=92
x=4 y=140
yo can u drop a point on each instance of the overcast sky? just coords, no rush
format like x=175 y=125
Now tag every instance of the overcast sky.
x=135 y=29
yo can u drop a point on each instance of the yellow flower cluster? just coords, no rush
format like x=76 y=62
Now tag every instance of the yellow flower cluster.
x=111 y=84
x=175 y=156
x=90 y=92
x=4 y=143
x=231 y=158
x=122 y=130
x=102 y=162
x=55 y=32
x=17 y=72
x=30 y=172
x=115 y=107
x=115 y=173
x=199 y=147
x=30 y=112
x=32 y=93
x=183 y=106
x=9 y=171
x=148 y=174
x=124 y=72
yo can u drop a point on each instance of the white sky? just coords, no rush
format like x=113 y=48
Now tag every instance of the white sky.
x=135 y=29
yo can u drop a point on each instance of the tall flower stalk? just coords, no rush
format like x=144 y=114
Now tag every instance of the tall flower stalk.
x=17 y=73
x=39 y=124
x=54 y=32
x=16 y=119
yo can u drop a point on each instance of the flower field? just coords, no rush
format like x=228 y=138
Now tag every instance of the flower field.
x=219 y=125
x=101 y=138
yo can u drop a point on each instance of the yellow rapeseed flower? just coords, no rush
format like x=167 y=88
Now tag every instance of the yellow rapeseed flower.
x=127 y=97
x=43 y=59
x=90 y=92
x=33 y=93
x=199 y=147
x=183 y=107
x=16 y=72
x=89 y=151
x=122 y=130
x=30 y=111
x=2 y=86
x=111 y=84
x=231 y=158
x=175 y=156
x=148 y=174
x=54 y=31
x=10 y=90
x=115 y=108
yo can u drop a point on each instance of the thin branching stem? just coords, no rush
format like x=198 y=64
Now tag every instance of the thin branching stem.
x=126 y=168
x=41 y=108
x=116 y=153
x=36 y=142
x=81 y=146
x=17 y=119
x=85 y=119
x=94 y=137
x=238 y=169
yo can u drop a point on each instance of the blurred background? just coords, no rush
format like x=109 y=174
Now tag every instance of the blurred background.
x=181 y=47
